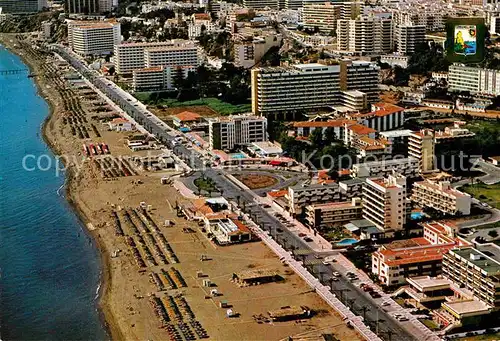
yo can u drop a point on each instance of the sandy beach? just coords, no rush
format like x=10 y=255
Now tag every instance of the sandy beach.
x=172 y=255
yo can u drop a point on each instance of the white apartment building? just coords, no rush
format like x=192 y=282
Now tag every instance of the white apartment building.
x=395 y=59
x=475 y=80
x=248 y=52
x=304 y=87
x=300 y=196
x=225 y=133
x=305 y=128
x=22 y=6
x=93 y=37
x=495 y=25
x=158 y=77
x=333 y=213
x=324 y=16
x=82 y=6
x=198 y=23
x=421 y=146
x=261 y=4
x=442 y=197
x=434 y=20
x=365 y=35
x=105 y=6
x=385 y=116
x=130 y=56
x=299 y=87
x=351 y=10
x=358 y=75
x=407 y=167
x=181 y=53
x=408 y=37
x=385 y=202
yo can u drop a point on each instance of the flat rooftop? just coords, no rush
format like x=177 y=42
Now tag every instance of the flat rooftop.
x=354 y=181
x=427 y=283
x=407 y=160
x=467 y=307
x=314 y=186
x=335 y=205
x=489 y=259
x=267 y=147
x=396 y=133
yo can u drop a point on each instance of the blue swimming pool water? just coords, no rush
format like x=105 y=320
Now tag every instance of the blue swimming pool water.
x=347 y=242
x=417 y=215
x=237 y=156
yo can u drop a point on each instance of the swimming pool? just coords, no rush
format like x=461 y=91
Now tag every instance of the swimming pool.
x=237 y=156
x=417 y=215
x=347 y=242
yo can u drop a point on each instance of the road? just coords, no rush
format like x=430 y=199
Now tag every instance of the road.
x=492 y=172
x=389 y=329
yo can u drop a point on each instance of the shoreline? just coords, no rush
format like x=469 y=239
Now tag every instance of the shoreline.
x=127 y=293
x=105 y=313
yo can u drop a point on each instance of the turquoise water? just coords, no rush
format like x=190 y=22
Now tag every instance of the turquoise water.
x=50 y=270
x=416 y=215
x=237 y=156
x=347 y=242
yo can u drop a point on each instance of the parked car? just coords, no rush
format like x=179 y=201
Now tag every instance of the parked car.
x=308 y=239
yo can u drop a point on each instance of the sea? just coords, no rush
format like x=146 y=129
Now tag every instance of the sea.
x=50 y=269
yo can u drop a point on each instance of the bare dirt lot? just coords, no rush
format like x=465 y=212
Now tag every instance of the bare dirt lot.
x=256 y=181
x=165 y=114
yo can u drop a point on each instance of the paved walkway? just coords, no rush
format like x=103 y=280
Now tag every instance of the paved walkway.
x=184 y=191
x=322 y=290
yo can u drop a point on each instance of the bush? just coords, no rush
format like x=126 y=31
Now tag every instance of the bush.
x=493 y=233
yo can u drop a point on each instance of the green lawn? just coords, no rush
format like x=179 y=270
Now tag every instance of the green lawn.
x=205 y=184
x=215 y=104
x=430 y=324
x=485 y=193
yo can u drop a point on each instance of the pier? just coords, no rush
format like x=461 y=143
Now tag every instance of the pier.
x=12 y=72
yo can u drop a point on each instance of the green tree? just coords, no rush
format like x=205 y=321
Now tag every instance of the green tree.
x=330 y=136
x=316 y=138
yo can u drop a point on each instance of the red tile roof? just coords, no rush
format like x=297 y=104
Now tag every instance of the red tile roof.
x=187 y=116
x=361 y=129
x=202 y=16
x=414 y=255
x=277 y=194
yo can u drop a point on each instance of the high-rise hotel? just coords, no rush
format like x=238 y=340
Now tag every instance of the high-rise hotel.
x=307 y=87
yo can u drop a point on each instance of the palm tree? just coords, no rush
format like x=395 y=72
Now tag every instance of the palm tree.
x=330 y=280
x=221 y=191
x=320 y=275
x=238 y=199
x=364 y=309
x=210 y=193
x=389 y=334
